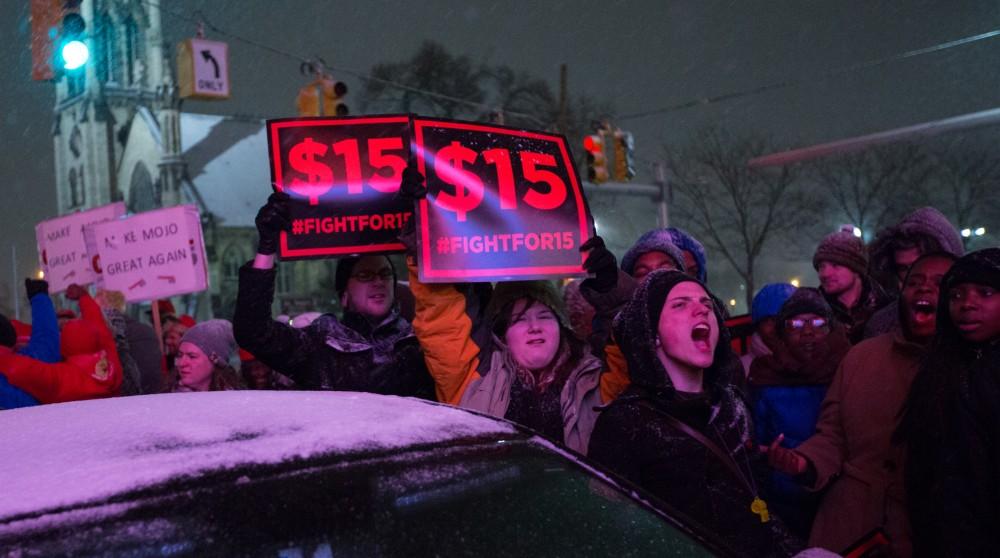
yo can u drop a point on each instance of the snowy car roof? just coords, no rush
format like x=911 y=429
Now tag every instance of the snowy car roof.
x=68 y=454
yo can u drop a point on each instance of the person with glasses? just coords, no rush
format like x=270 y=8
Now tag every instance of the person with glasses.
x=852 y=459
x=787 y=388
x=370 y=348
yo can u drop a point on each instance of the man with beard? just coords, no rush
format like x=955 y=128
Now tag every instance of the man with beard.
x=841 y=263
x=852 y=455
x=371 y=348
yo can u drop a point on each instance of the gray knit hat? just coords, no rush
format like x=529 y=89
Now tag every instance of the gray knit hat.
x=656 y=240
x=214 y=338
x=843 y=248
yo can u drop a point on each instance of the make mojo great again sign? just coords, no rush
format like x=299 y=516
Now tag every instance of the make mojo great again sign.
x=342 y=175
x=151 y=255
x=62 y=250
x=501 y=204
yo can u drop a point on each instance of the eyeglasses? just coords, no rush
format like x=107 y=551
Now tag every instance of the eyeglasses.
x=815 y=324
x=366 y=276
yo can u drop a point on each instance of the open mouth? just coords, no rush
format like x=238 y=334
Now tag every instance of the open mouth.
x=535 y=342
x=923 y=311
x=701 y=335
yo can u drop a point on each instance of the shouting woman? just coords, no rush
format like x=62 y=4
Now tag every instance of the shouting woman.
x=681 y=430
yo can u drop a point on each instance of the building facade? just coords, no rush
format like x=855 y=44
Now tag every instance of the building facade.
x=120 y=134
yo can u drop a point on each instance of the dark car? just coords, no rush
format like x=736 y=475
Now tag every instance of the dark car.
x=307 y=474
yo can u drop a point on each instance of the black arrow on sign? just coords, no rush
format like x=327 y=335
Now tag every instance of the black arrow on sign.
x=207 y=55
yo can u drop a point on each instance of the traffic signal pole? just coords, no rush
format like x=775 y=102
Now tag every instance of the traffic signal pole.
x=656 y=192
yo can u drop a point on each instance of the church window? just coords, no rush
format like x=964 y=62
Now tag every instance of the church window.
x=232 y=260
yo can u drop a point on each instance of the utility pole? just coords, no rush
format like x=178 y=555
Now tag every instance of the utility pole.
x=13 y=282
x=563 y=95
x=664 y=207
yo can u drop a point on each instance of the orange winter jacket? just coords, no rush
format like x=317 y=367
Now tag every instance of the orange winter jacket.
x=89 y=375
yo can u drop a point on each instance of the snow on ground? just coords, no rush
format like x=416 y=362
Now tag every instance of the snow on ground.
x=71 y=453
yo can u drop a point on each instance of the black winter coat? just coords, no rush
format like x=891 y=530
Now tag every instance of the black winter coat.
x=634 y=437
x=330 y=354
x=970 y=516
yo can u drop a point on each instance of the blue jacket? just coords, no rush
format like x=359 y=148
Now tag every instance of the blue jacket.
x=43 y=346
x=791 y=410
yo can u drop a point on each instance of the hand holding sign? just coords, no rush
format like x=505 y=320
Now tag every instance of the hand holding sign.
x=272 y=219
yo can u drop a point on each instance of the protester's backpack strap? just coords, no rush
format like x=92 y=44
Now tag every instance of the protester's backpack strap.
x=698 y=437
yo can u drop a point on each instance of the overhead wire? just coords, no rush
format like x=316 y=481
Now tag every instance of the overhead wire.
x=202 y=20
x=703 y=101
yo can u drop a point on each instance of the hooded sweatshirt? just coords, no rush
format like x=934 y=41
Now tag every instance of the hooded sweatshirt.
x=634 y=437
x=926 y=222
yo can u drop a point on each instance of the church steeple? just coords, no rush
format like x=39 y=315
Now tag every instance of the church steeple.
x=127 y=78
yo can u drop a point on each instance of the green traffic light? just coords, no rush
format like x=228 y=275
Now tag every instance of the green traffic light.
x=75 y=54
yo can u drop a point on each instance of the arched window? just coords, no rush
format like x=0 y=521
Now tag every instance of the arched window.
x=141 y=195
x=73 y=195
x=135 y=51
x=108 y=57
x=232 y=260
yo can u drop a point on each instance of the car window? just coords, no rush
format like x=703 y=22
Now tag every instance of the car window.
x=509 y=498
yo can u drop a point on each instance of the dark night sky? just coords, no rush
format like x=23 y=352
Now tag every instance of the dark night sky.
x=638 y=55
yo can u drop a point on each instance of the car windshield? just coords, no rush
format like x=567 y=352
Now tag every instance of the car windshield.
x=495 y=498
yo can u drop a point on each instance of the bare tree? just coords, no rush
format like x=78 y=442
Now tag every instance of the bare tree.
x=868 y=187
x=966 y=180
x=735 y=210
x=434 y=81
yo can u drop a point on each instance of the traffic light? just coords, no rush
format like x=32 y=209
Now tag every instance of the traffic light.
x=46 y=19
x=597 y=161
x=624 y=149
x=73 y=52
x=322 y=97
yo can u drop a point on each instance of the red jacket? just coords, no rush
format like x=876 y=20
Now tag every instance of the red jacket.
x=88 y=375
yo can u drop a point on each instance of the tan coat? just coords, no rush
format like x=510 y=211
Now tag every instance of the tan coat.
x=852 y=449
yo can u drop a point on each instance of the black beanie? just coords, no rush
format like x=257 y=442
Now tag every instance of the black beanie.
x=981 y=267
x=805 y=300
x=8 y=336
x=345 y=266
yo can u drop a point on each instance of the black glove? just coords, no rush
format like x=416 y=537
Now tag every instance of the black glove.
x=273 y=217
x=411 y=188
x=36 y=286
x=412 y=185
x=602 y=263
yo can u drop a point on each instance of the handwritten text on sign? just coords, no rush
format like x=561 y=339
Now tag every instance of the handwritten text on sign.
x=62 y=250
x=157 y=254
x=501 y=204
x=343 y=175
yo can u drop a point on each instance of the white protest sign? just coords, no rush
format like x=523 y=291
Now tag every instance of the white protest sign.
x=152 y=255
x=62 y=251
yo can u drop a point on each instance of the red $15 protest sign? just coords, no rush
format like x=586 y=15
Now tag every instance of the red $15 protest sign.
x=339 y=172
x=502 y=203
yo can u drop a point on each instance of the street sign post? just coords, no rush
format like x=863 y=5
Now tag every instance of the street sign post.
x=203 y=69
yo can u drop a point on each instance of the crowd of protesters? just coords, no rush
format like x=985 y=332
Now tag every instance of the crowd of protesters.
x=865 y=409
